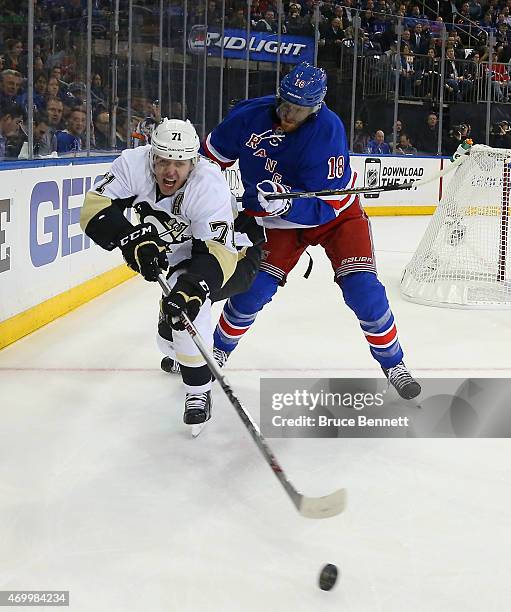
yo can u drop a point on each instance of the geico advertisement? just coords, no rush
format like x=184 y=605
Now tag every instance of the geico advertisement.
x=43 y=251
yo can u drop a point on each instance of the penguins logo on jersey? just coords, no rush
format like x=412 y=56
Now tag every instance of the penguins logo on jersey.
x=169 y=228
x=273 y=138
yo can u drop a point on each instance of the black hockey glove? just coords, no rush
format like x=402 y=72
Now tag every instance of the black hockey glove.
x=144 y=251
x=187 y=295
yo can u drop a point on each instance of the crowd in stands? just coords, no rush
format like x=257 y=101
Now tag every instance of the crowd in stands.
x=60 y=121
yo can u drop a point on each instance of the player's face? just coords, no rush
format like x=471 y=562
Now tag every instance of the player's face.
x=171 y=174
x=292 y=115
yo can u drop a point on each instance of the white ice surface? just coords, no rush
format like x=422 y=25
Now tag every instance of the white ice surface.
x=103 y=493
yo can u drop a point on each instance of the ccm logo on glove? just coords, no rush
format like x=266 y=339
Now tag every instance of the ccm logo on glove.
x=144 y=251
x=138 y=233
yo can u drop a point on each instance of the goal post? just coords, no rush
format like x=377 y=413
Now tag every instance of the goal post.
x=463 y=259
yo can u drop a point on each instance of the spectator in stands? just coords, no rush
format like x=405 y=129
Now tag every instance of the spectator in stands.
x=101 y=122
x=256 y=12
x=55 y=110
x=214 y=15
x=38 y=64
x=455 y=83
x=472 y=73
x=399 y=131
x=361 y=137
x=463 y=21
x=500 y=135
x=454 y=41
x=419 y=42
x=42 y=145
x=454 y=139
x=437 y=27
x=427 y=136
x=9 y=86
x=309 y=25
x=11 y=118
x=238 y=20
x=269 y=24
x=405 y=146
x=499 y=80
x=481 y=46
x=486 y=22
x=367 y=21
x=40 y=83
x=40 y=86
x=502 y=42
x=53 y=87
x=13 y=57
x=331 y=39
x=56 y=72
x=294 y=21
x=378 y=146
x=406 y=38
x=69 y=141
x=98 y=94
x=408 y=74
x=382 y=7
x=346 y=13
x=379 y=25
x=102 y=132
x=414 y=17
x=429 y=77
x=475 y=10
x=388 y=38
x=466 y=129
x=370 y=46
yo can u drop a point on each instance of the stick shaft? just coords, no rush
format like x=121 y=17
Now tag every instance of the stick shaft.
x=362 y=190
x=249 y=423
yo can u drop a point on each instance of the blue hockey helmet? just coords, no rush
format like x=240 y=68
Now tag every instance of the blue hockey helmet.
x=305 y=85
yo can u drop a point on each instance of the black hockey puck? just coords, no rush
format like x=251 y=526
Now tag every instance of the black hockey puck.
x=328 y=577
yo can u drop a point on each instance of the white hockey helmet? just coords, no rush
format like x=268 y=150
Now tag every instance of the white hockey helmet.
x=174 y=139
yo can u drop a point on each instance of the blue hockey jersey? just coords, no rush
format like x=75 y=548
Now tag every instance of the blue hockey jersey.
x=313 y=158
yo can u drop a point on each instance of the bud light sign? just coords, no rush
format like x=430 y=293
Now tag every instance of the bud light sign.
x=263 y=47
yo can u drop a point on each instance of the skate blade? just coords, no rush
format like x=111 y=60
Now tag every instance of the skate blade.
x=197 y=428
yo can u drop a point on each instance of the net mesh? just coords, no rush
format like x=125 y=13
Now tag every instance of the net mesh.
x=463 y=258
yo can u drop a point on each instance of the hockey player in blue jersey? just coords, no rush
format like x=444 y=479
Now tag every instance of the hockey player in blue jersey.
x=293 y=142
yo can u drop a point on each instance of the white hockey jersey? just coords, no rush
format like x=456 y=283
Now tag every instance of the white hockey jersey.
x=201 y=209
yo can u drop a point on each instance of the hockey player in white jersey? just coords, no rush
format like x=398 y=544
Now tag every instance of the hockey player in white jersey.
x=186 y=226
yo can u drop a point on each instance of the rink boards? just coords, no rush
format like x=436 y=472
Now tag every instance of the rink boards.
x=48 y=267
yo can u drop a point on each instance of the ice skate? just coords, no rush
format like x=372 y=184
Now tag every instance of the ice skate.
x=220 y=356
x=197 y=408
x=197 y=411
x=402 y=381
x=169 y=365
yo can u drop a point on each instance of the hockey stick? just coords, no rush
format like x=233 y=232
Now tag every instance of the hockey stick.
x=310 y=507
x=362 y=190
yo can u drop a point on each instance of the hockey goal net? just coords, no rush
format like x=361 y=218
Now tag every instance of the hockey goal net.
x=463 y=260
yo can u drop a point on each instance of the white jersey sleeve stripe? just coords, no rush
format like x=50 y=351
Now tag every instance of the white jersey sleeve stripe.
x=214 y=154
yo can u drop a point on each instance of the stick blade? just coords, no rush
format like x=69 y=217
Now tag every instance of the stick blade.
x=323 y=507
